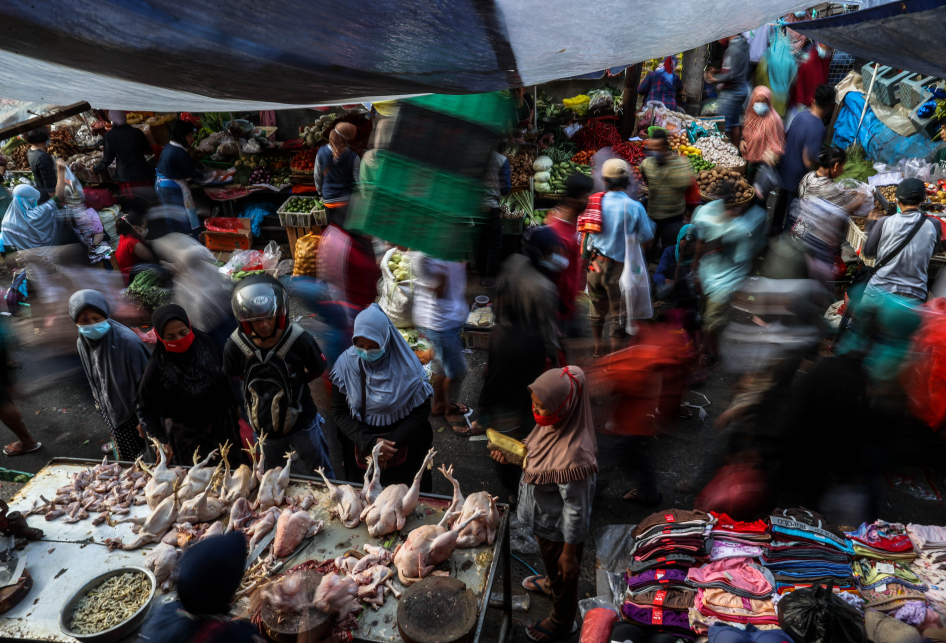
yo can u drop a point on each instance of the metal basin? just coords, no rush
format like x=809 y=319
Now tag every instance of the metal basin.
x=121 y=630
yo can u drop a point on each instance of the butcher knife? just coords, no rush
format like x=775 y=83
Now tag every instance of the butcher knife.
x=263 y=544
x=299 y=548
x=11 y=563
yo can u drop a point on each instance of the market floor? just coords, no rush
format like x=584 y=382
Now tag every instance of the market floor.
x=61 y=414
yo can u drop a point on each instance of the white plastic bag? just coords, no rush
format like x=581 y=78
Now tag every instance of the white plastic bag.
x=853 y=185
x=397 y=297
x=635 y=285
x=917 y=169
x=271 y=256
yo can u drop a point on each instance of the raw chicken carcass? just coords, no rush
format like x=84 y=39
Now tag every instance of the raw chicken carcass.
x=394 y=504
x=240 y=513
x=162 y=479
x=241 y=482
x=154 y=526
x=336 y=596
x=161 y=561
x=348 y=503
x=264 y=525
x=372 y=485
x=287 y=594
x=272 y=485
x=479 y=531
x=198 y=477
x=385 y=556
x=204 y=507
x=291 y=529
x=216 y=529
x=426 y=547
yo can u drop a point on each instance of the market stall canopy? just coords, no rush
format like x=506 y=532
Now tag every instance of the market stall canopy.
x=165 y=55
x=904 y=35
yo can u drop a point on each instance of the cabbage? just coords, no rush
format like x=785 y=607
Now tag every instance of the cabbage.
x=542 y=187
x=543 y=177
x=542 y=164
x=396 y=258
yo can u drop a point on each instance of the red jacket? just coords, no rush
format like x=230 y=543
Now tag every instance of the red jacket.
x=569 y=279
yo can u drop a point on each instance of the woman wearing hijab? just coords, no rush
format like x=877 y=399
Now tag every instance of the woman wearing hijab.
x=337 y=169
x=555 y=494
x=129 y=146
x=662 y=84
x=209 y=575
x=175 y=167
x=32 y=221
x=185 y=401
x=380 y=394
x=114 y=359
x=763 y=133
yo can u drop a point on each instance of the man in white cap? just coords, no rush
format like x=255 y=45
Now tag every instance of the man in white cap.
x=621 y=217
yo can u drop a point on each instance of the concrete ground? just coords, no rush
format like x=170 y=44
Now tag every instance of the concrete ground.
x=60 y=412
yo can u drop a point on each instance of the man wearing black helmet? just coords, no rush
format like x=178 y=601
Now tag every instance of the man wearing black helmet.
x=903 y=244
x=276 y=361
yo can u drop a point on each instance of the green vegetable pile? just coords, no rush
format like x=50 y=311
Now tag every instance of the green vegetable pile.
x=698 y=163
x=302 y=204
x=146 y=292
x=400 y=265
x=243 y=274
x=537 y=218
x=857 y=166
x=557 y=176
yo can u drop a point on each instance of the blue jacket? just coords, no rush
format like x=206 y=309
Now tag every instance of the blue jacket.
x=336 y=178
x=667 y=267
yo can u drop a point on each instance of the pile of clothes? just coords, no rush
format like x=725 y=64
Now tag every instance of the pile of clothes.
x=732 y=590
x=667 y=545
x=806 y=549
x=734 y=539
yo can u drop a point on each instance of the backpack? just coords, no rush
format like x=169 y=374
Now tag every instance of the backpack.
x=267 y=385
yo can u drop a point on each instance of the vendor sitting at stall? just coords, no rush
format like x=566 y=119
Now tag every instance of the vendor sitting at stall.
x=42 y=164
x=174 y=168
x=129 y=146
x=337 y=170
x=32 y=219
x=133 y=250
x=662 y=85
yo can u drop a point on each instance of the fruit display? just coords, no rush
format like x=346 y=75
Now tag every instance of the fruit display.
x=304 y=161
x=718 y=151
x=698 y=163
x=19 y=159
x=258 y=170
x=677 y=140
x=520 y=164
x=301 y=204
x=316 y=135
x=584 y=157
x=261 y=174
x=712 y=182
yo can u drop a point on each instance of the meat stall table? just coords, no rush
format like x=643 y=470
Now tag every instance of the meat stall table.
x=71 y=554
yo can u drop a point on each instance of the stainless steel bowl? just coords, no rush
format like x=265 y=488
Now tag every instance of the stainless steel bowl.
x=121 y=630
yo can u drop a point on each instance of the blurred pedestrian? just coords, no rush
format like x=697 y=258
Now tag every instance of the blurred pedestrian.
x=134 y=251
x=763 y=133
x=114 y=359
x=439 y=312
x=733 y=84
x=184 y=399
x=380 y=394
x=127 y=147
x=498 y=182
x=562 y=219
x=669 y=176
x=9 y=414
x=336 y=172
x=621 y=218
x=557 y=488
x=41 y=162
x=175 y=167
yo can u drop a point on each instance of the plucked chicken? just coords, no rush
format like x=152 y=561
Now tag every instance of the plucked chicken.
x=426 y=547
x=348 y=503
x=337 y=597
x=291 y=529
x=394 y=504
x=479 y=531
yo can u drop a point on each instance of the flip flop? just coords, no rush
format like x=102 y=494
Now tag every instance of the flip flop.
x=552 y=636
x=12 y=451
x=532 y=584
x=465 y=431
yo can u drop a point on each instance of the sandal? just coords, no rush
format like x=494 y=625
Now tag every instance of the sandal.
x=465 y=431
x=535 y=584
x=634 y=496
x=12 y=450
x=548 y=634
x=457 y=409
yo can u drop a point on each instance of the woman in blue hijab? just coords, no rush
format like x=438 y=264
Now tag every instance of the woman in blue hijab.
x=380 y=393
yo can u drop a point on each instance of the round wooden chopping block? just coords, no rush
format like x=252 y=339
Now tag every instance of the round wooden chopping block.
x=11 y=596
x=308 y=627
x=437 y=609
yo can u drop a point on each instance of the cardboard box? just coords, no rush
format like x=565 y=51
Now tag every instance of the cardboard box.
x=229 y=241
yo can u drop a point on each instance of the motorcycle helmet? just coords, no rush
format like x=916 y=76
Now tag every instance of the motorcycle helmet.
x=259 y=297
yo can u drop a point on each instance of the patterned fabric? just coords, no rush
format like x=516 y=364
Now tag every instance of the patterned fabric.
x=127 y=445
x=590 y=219
x=656 y=88
x=668 y=184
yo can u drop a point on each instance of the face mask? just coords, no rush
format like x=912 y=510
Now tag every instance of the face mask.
x=558 y=415
x=760 y=108
x=557 y=263
x=181 y=345
x=95 y=331
x=545 y=420
x=370 y=355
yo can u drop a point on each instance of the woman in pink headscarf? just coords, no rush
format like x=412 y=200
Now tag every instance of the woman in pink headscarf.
x=662 y=85
x=763 y=133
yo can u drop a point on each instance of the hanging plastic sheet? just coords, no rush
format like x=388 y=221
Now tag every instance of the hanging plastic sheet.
x=168 y=55
x=904 y=35
x=879 y=141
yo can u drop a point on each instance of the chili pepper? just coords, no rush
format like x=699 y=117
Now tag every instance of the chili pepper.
x=630 y=151
x=597 y=134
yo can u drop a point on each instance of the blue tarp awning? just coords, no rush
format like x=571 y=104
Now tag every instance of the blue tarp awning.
x=905 y=35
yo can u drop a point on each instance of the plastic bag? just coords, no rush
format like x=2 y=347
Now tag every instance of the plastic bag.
x=306 y=256
x=917 y=169
x=521 y=538
x=596 y=625
x=816 y=615
x=600 y=99
x=223 y=224
x=853 y=185
x=256 y=212
x=242 y=261
x=397 y=297
x=74 y=194
x=635 y=285
x=271 y=256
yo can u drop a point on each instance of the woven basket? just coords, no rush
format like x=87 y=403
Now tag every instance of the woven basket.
x=707 y=198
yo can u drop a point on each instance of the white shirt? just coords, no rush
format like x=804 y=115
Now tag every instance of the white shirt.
x=430 y=311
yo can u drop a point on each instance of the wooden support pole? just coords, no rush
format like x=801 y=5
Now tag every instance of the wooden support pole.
x=694 y=62
x=39 y=121
x=632 y=78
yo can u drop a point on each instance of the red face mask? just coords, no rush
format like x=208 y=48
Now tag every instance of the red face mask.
x=557 y=416
x=546 y=420
x=181 y=345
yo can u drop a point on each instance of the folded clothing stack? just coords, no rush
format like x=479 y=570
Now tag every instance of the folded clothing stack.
x=666 y=545
x=882 y=540
x=732 y=590
x=806 y=549
x=871 y=574
x=929 y=543
x=736 y=539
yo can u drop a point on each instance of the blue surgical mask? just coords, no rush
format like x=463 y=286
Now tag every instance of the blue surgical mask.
x=370 y=355
x=95 y=331
x=760 y=108
x=557 y=263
